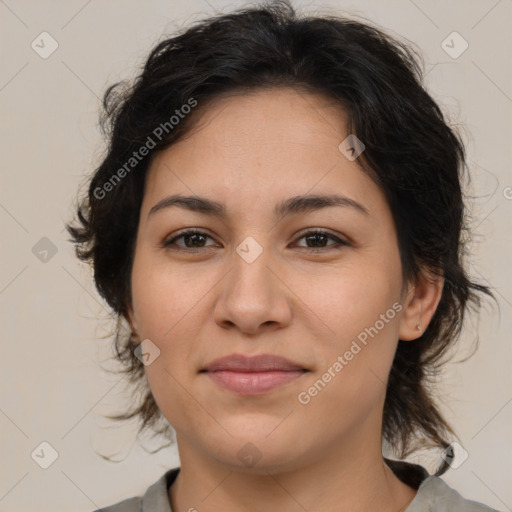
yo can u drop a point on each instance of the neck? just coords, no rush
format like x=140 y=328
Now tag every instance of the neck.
x=343 y=478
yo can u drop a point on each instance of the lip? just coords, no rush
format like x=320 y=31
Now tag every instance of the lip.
x=258 y=363
x=253 y=375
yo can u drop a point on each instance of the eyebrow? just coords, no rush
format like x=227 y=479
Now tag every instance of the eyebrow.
x=291 y=206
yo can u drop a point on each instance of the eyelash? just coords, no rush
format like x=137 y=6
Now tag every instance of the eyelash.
x=339 y=242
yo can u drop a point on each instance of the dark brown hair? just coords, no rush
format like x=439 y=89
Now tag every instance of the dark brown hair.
x=410 y=151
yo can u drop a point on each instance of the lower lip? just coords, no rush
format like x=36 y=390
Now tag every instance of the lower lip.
x=253 y=383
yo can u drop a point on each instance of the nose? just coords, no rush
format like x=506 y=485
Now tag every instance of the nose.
x=253 y=296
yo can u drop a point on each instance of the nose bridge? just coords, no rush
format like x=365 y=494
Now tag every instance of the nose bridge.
x=251 y=276
x=251 y=262
x=252 y=295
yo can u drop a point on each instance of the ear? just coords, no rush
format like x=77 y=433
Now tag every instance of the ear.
x=420 y=304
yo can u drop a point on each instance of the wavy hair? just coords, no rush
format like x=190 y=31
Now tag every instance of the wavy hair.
x=411 y=152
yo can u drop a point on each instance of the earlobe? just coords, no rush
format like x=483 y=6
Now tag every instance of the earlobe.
x=420 y=304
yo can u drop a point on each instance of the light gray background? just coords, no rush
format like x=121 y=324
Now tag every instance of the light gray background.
x=53 y=388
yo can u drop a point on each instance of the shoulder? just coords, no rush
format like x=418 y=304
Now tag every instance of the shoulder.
x=128 y=505
x=155 y=499
x=435 y=495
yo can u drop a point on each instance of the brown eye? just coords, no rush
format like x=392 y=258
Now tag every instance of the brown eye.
x=318 y=240
x=192 y=239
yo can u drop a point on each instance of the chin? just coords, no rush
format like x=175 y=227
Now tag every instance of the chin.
x=258 y=447
x=250 y=459
x=265 y=431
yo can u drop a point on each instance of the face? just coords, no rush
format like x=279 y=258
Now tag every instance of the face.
x=317 y=282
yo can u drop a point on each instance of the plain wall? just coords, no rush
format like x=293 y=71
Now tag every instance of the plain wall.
x=52 y=386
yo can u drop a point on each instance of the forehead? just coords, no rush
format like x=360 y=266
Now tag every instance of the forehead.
x=247 y=147
x=270 y=115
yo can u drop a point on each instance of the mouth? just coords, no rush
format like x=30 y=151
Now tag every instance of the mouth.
x=253 y=375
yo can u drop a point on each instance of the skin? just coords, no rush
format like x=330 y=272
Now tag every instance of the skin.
x=196 y=304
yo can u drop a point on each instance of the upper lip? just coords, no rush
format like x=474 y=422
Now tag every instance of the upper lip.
x=257 y=363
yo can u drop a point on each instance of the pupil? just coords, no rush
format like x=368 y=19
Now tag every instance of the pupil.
x=316 y=238
x=192 y=236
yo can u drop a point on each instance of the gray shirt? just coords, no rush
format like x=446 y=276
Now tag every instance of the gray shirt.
x=433 y=495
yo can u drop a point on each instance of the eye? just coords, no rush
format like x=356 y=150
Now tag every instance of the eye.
x=196 y=239
x=192 y=238
x=319 y=239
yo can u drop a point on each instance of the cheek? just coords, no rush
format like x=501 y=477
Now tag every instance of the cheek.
x=167 y=310
x=353 y=300
x=163 y=297
x=361 y=309
x=352 y=379
x=170 y=392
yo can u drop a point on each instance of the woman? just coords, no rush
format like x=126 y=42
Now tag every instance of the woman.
x=278 y=222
